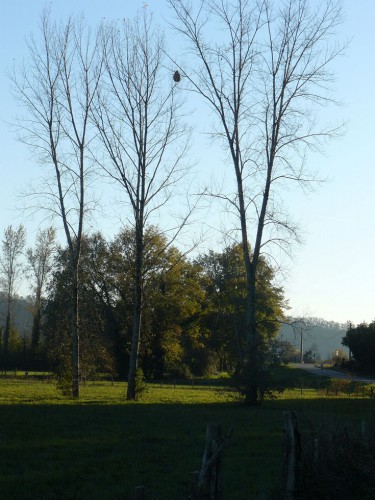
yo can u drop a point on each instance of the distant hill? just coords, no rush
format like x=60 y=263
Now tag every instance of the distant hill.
x=318 y=335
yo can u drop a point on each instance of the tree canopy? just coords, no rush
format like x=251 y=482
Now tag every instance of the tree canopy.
x=193 y=309
x=361 y=343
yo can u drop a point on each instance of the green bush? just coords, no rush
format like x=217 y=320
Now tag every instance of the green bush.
x=140 y=383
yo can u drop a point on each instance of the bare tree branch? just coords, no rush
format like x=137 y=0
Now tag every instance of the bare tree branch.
x=264 y=77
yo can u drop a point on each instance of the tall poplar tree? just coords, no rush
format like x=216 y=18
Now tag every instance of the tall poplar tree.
x=55 y=87
x=263 y=69
x=139 y=121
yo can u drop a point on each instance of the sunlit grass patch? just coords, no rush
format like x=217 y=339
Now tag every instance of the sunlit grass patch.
x=19 y=391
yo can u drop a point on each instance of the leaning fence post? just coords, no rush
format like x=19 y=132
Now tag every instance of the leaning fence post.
x=291 y=451
x=193 y=486
x=138 y=493
x=208 y=482
x=212 y=461
x=316 y=453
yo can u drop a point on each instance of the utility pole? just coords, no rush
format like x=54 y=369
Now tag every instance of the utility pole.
x=301 y=353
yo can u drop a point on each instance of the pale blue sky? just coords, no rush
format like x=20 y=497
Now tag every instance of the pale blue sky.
x=333 y=274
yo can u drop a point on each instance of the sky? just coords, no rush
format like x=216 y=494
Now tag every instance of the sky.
x=332 y=275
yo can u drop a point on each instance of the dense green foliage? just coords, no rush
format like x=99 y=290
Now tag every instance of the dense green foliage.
x=193 y=311
x=361 y=343
x=224 y=282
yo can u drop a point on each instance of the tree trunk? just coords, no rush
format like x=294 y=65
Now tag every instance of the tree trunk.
x=133 y=362
x=35 y=334
x=7 y=332
x=75 y=335
x=251 y=369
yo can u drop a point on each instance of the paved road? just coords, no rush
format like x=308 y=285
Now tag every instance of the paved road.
x=316 y=370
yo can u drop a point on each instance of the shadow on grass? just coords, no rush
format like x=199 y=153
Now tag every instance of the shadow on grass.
x=345 y=407
x=336 y=443
x=102 y=451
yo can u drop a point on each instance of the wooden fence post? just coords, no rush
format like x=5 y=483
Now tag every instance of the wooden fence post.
x=212 y=462
x=138 y=493
x=193 y=486
x=208 y=482
x=316 y=453
x=291 y=453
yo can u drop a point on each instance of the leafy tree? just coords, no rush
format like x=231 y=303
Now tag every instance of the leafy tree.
x=40 y=262
x=17 y=349
x=224 y=280
x=171 y=299
x=225 y=285
x=11 y=269
x=284 y=351
x=361 y=343
x=96 y=347
x=177 y=306
x=193 y=312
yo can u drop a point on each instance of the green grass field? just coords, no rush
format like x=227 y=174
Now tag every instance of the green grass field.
x=53 y=447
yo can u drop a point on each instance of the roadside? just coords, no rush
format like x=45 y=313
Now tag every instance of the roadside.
x=325 y=372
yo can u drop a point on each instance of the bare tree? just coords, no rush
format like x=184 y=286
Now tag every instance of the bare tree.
x=264 y=76
x=56 y=88
x=139 y=120
x=10 y=272
x=40 y=262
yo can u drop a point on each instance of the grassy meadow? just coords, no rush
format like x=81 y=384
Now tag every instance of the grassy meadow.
x=53 y=447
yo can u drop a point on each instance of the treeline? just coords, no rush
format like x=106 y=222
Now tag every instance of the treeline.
x=112 y=104
x=19 y=334
x=361 y=343
x=193 y=311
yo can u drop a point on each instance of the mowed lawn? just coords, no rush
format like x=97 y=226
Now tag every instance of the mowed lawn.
x=101 y=446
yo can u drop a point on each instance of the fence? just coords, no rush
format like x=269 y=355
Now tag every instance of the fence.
x=318 y=448
x=292 y=453
x=206 y=483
